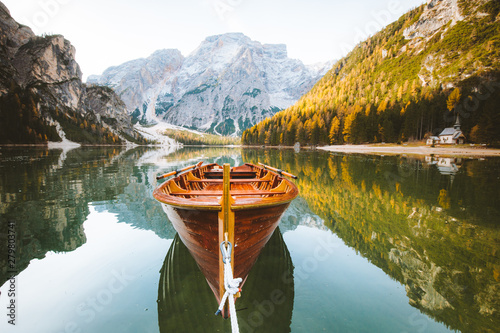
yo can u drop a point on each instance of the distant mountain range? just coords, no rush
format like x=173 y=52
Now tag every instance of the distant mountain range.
x=393 y=87
x=226 y=85
x=396 y=85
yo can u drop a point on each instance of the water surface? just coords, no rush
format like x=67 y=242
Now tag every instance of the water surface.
x=373 y=244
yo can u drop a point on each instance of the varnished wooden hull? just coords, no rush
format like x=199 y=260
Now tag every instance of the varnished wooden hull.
x=198 y=230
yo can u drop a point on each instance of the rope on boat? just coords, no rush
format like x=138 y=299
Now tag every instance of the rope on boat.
x=231 y=285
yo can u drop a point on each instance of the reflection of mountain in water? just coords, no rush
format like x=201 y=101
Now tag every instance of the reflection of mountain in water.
x=187 y=304
x=46 y=194
x=137 y=207
x=191 y=155
x=438 y=238
x=298 y=213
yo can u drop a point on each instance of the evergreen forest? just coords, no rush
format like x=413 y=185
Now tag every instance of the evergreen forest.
x=395 y=89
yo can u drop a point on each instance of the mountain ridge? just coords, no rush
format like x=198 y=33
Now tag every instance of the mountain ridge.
x=226 y=84
x=42 y=96
x=394 y=86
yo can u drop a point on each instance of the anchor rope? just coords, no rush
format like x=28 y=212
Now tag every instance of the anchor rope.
x=231 y=285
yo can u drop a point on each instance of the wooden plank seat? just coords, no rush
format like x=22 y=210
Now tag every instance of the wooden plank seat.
x=233 y=193
x=218 y=174
x=234 y=181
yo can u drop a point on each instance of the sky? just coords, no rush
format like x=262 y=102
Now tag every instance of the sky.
x=110 y=32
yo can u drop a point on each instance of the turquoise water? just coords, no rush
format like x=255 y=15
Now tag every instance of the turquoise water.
x=373 y=244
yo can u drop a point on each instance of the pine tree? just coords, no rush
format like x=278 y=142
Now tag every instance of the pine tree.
x=335 y=131
x=453 y=99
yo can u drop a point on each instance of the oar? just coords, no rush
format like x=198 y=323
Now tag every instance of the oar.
x=173 y=173
x=281 y=172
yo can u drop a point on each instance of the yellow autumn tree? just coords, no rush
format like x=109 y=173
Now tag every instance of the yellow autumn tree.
x=335 y=130
x=453 y=99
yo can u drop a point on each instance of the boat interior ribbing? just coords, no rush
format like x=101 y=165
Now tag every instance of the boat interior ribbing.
x=249 y=184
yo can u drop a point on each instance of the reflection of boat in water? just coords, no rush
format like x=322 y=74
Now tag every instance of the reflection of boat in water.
x=204 y=202
x=186 y=303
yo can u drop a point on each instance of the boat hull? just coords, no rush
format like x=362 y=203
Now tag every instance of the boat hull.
x=198 y=230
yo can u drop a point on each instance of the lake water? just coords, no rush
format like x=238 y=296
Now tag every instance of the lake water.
x=373 y=244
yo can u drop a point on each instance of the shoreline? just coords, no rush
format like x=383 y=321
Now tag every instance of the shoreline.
x=419 y=150
x=367 y=149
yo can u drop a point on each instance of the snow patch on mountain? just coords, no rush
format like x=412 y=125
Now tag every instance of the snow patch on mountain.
x=156 y=134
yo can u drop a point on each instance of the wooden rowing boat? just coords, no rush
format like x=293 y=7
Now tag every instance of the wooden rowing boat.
x=208 y=204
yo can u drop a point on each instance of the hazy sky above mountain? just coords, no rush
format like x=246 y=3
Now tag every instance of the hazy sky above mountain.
x=110 y=32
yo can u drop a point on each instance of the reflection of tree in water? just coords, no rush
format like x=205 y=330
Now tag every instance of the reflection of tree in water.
x=441 y=245
x=46 y=194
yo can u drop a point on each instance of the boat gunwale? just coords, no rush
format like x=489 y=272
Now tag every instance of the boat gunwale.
x=240 y=203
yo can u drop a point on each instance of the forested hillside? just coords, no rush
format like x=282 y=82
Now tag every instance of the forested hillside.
x=397 y=85
x=192 y=138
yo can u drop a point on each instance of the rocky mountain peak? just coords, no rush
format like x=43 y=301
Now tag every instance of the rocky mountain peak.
x=42 y=96
x=48 y=59
x=436 y=14
x=225 y=85
x=12 y=34
x=231 y=37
